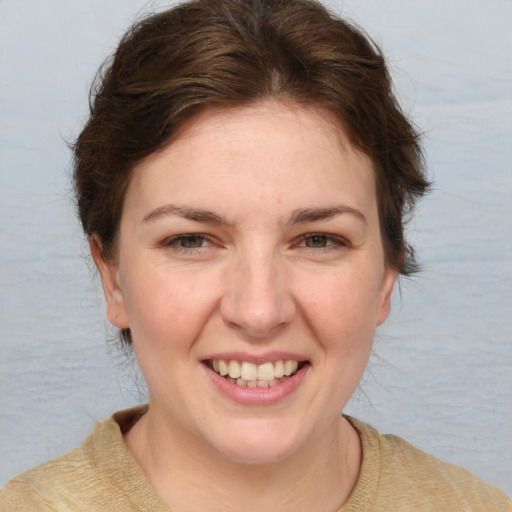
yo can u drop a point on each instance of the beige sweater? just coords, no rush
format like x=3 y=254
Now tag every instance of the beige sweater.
x=103 y=476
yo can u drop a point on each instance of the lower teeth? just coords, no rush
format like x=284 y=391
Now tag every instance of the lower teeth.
x=257 y=383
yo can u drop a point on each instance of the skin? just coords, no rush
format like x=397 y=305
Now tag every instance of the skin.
x=257 y=284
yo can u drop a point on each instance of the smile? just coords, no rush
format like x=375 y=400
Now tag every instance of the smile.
x=251 y=375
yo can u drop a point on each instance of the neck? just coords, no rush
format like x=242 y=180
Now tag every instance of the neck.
x=318 y=476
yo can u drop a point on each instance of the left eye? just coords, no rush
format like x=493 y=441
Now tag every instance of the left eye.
x=321 y=241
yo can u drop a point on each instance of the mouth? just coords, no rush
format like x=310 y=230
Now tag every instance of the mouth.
x=251 y=375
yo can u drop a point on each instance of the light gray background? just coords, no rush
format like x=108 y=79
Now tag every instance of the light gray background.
x=441 y=374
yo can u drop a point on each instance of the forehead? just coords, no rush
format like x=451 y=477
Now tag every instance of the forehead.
x=271 y=151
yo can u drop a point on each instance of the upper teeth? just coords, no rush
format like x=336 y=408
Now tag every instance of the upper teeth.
x=251 y=372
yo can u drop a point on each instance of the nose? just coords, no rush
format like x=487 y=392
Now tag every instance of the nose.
x=257 y=301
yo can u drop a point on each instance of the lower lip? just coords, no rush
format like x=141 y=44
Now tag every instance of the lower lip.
x=257 y=396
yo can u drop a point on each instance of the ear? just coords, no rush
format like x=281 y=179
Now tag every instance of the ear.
x=386 y=292
x=116 y=311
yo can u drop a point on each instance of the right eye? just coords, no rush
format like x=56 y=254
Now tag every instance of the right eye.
x=187 y=241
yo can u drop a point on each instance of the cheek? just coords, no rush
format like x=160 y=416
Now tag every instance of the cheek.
x=168 y=308
x=341 y=309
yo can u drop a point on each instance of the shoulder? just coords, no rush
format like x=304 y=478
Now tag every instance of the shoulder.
x=414 y=471
x=42 y=488
x=90 y=478
x=407 y=478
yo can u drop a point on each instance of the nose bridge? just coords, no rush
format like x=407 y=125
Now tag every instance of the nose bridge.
x=257 y=298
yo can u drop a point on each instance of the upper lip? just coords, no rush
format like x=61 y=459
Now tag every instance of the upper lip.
x=257 y=358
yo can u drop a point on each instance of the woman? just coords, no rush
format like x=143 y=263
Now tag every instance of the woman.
x=243 y=180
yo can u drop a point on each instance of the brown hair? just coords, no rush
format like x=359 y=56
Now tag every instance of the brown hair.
x=215 y=53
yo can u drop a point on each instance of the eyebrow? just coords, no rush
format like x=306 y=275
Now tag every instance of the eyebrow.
x=300 y=216
x=315 y=214
x=195 y=214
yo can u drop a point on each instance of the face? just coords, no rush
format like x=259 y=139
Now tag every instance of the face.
x=251 y=245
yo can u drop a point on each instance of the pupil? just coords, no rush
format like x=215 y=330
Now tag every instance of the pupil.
x=316 y=241
x=191 y=241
